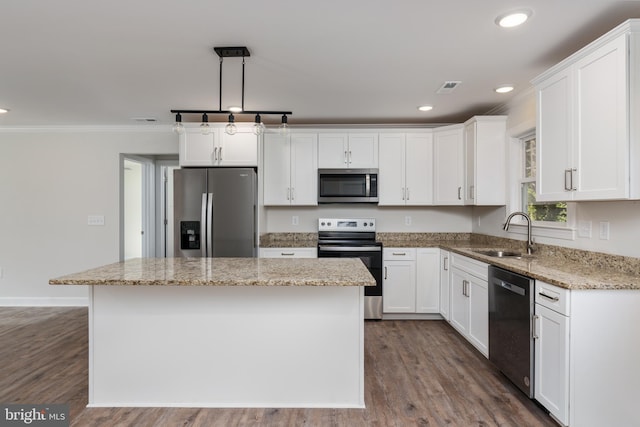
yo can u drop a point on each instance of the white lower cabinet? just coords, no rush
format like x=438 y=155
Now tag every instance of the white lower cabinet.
x=552 y=362
x=288 y=252
x=445 y=288
x=427 y=280
x=399 y=280
x=470 y=300
x=411 y=280
x=587 y=349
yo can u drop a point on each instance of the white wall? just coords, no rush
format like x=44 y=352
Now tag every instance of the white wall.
x=50 y=181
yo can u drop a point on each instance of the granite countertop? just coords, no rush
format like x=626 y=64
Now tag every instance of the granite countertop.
x=225 y=272
x=565 y=267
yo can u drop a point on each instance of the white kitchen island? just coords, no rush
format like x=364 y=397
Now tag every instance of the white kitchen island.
x=226 y=332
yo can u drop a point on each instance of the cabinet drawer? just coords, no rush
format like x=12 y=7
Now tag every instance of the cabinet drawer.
x=553 y=297
x=390 y=254
x=470 y=265
x=288 y=253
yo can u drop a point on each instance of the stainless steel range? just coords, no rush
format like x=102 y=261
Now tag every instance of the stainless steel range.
x=355 y=238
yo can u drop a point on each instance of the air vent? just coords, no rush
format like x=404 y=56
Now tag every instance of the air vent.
x=448 y=86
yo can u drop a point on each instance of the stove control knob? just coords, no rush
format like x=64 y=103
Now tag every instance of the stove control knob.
x=322 y=223
x=329 y=224
x=365 y=224
x=371 y=224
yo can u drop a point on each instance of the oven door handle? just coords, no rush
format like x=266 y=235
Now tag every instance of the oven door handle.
x=350 y=248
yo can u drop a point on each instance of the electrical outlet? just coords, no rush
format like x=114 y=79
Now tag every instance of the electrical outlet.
x=407 y=220
x=294 y=220
x=584 y=229
x=1 y=272
x=604 y=230
x=95 y=220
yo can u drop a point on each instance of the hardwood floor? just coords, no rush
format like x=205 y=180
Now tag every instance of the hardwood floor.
x=417 y=373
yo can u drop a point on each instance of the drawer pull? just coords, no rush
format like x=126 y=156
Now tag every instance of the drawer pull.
x=287 y=253
x=550 y=298
x=399 y=253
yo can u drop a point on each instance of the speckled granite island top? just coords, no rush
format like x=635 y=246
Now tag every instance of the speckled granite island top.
x=225 y=272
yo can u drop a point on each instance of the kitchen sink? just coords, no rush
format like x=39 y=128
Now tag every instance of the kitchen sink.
x=499 y=254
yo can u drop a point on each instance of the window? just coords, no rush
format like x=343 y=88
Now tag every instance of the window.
x=547 y=212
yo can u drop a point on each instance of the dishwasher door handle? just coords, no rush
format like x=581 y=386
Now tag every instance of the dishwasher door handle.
x=513 y=288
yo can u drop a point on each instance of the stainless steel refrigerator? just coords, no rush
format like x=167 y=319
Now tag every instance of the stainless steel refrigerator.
x=215 y=212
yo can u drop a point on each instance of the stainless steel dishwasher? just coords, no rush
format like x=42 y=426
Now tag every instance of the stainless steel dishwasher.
x=511 y=346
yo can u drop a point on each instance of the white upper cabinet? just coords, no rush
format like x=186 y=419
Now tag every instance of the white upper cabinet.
x=290 y=169
x=448 y=165
x=348 y=150
x=218 y=148
x=587 y=135
x=485 y=157
x=406 y=165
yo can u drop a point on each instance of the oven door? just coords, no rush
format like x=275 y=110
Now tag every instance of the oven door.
x=371 y=256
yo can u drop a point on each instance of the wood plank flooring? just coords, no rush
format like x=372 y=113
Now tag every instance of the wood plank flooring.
x=417 y=373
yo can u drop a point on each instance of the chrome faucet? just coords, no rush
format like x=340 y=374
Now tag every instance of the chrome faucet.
x=530 y=245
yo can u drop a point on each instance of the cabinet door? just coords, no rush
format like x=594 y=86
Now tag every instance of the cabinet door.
x=332 y=150
x=362 y=152
x=601 y=124
x=428 y=280
x=448 y=166
x=479 y=314
x=391 y=186
x=554 y=134
x=197 y=149
x=459 y=301
x=304 y=169
x=240 y=149
x=470 y=163
x=399 y=287
x=276 y=167
x=419 y=169
x=445 y=290
x=552 y=362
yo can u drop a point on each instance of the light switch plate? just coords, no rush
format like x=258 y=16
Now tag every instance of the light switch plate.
x=407 y=220
x=95 y=220
x=584 y=229
x=604 y=230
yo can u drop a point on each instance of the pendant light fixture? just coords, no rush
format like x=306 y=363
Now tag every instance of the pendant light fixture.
x=230 y=128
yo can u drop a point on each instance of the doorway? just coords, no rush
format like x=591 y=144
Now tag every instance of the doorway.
x=146 y=206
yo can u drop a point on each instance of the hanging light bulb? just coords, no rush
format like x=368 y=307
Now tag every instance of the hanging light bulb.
x=284 y=127
x=230 y=128
x=258 y=128
x=178 y=127
x=204 y=126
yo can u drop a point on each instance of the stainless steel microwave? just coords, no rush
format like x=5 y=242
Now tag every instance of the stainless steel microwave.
x=347 y=185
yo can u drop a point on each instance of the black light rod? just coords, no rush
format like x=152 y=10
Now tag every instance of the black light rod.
x=288 y=113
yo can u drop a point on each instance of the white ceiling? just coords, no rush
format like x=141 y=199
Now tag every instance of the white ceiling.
x=84 y=62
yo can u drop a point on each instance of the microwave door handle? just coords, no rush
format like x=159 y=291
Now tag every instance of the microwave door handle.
x=367 y=185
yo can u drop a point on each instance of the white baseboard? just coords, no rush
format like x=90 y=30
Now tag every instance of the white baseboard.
x=44 y=301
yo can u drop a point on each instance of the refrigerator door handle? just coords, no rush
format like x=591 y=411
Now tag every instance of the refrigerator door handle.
x=203 y=221
x=210 y=225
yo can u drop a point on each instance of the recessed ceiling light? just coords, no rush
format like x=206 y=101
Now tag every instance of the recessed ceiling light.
x=425 y=108
x=513 y=19
x=235 y=109
x=504 y=89
x=3 y=110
